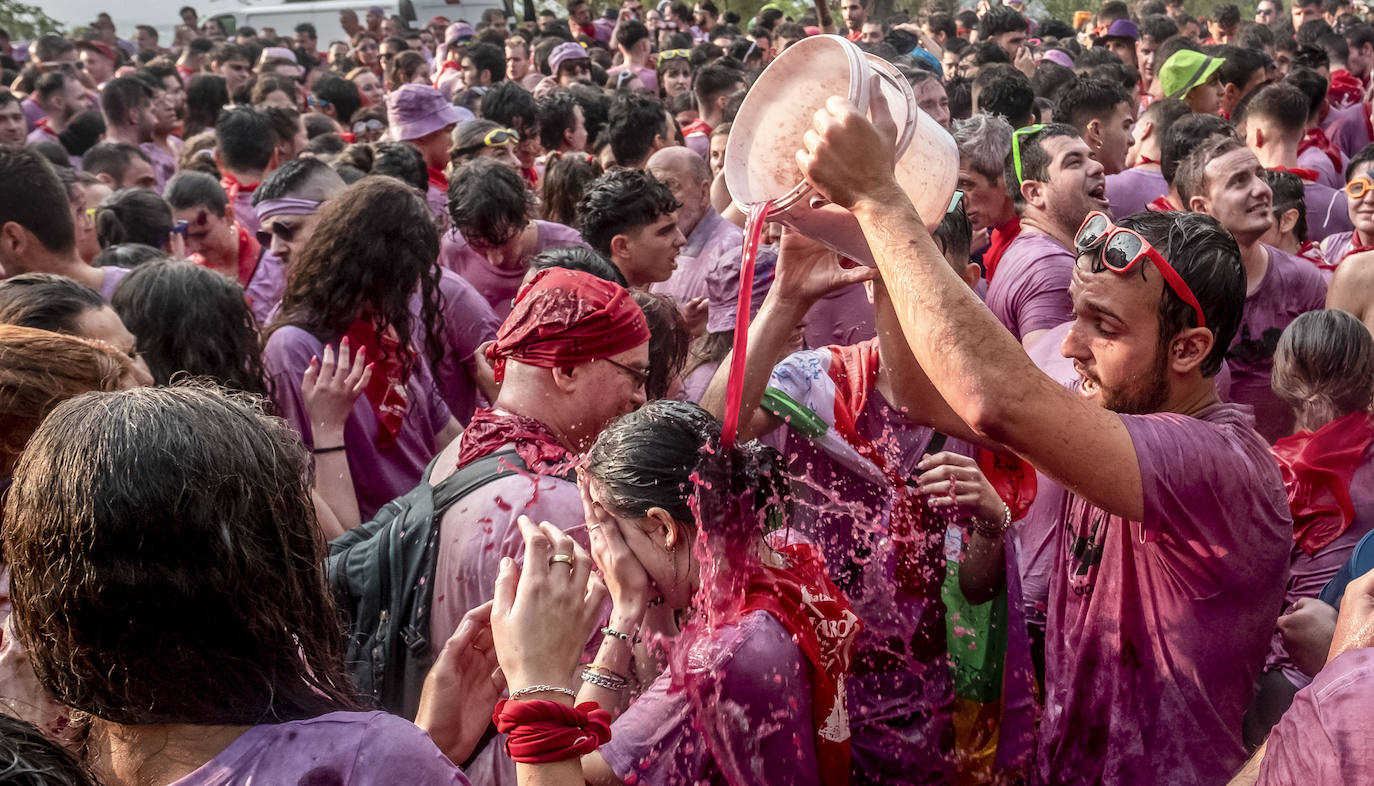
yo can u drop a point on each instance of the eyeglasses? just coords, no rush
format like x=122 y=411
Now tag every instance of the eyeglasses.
x=1358 y=187
x=1016 y=146
x=364 y=126
x=313 y=101
x=1121 y=248
x=954 y=202
x=639 y=375
x=63 y=65
x=89 y=213
x=286 y=232
x=673 y=54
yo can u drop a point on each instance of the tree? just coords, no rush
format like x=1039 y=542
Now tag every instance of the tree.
x=26 y=21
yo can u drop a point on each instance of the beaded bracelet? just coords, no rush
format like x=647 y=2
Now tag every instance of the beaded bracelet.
x=993 y=531
x=543 y=689
x=625 y=637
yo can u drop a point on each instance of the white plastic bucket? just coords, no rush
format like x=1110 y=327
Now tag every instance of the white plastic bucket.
x=760 y=157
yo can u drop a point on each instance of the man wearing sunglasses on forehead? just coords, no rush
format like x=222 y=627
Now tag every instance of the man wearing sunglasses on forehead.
x=1172 y=552
x=1224 y=180
x=1054 y=182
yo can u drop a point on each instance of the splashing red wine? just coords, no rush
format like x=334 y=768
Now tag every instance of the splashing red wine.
x=734 y=389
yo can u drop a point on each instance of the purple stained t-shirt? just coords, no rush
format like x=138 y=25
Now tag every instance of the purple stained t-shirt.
x=1317 y=160
x=164 y=163
x=1348 y=128
x=1291 y=286
x=1030 y=290
x=1327 y=213
x=338 y=749
x=500 y=285
x=900 y=688
x=245 y=214
x=842 y=317
x=764 y=699
x=713 y=241
x=379 y=474
x=467 y=322
x=1324 y=736
x=1158 y=628
x=266 y=287
x=113 y=275
x=1130 y=191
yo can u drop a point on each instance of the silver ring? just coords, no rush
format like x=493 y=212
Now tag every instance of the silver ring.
x=563 y=558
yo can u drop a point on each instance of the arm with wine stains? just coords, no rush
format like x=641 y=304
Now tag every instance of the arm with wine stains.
x=974 y=363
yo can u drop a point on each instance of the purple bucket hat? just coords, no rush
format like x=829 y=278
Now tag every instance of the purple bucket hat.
x=414 y=111
x=565 y=52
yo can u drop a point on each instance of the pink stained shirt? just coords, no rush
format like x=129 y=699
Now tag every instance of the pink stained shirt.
x=164 y=163
x=339 y=749
x=500 y=285
x=1030 y=291
x=113 y=275
x=1291 y=286
x=647 y=76
x=467 y=323
x=1158 y=628
x=1130 y=191
x=1315 y=159
x=842 y=317
x=712 y=242
x=266 y=287
x=1326 y=211
x=1348 y=129
x=1324 y=736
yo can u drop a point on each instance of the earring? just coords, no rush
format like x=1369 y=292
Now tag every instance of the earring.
x=672 y=557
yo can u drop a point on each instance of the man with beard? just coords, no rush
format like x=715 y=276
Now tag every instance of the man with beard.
x=1054 y=182
x=61 y=97
x=1223 y=179
x=13 y=129
x=1176 y=527
x=169 y=109
x=129 y=113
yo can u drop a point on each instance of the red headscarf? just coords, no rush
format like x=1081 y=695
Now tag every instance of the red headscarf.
x=1317 y=469
x=567 y=318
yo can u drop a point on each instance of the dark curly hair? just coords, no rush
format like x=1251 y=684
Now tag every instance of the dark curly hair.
x=668 y=341
x=620 y=201
x=166 y=562
x=375 y=245
x=489 y=202
x=190 y=320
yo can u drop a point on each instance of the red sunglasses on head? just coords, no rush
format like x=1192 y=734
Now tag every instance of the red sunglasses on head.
x=1120 y=249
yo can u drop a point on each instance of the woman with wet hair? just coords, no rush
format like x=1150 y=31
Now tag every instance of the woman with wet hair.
x=754 y=689
x=372 y=251
x=186 y=509
x=1324 y=371
x=566 y=177
x=135 y=215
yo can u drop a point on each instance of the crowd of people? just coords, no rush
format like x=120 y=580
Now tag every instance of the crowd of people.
x=370 y=409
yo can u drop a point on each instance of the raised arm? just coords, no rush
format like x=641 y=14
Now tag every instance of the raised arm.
x=970 y=358
x=805 y=272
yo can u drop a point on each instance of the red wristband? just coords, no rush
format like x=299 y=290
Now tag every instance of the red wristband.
x=539 y=732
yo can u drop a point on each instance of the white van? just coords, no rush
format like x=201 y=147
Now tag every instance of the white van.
x=324 y=14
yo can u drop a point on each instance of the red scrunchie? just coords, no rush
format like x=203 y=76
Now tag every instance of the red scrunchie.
x=539 y=732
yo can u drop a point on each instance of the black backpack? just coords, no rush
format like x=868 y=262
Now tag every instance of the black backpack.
x=382 y=574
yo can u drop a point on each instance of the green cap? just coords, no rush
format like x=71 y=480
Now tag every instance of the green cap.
x=1185 y=70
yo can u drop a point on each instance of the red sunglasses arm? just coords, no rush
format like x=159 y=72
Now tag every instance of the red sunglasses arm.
x=1176 y=283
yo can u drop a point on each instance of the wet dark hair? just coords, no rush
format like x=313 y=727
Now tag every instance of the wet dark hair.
x=668 y=341
x=1191 y=176
x=1002 y=90
x=489 y=202
x=1186 y=134
x=619 y=201
x=133 y=215
x=1288 y=195
x=302 y=177
x=1207 y=258
x=83 y=132
x=566 y=178
x=195 y=189
x=191 y=320
x=1001 y=19
x=112 y=158
x=1364 y=156
x=29 y=758
x=633 y=123
x=557 y=114
x=954 y=234
x=1089 y=99
x=1051 y=80
x=1312 y=84
x=402 y=161
x=45 y=301
x=373 y=248
x=596 y=108
x=127 y=255
x=489 y=58
x=41 y=205
x=244 y=138
x=340 y=93
x=1159 y=27
x=581 y=259
x=189 y=510
x=267 y=84
x=206 y=95
x=511 y=105
x=123 y=95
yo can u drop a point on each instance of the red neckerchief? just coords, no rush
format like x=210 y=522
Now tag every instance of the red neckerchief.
x=44 y=123
x=998 y=240
x=1306 y=175
x=1143 y=160
x=1317 y=468
x=438 y=179
x=233 y=187
x=1316 y=137
x=386 y=392
x=537 y=446
x=1345 y=90
x=1355 y=247
x=449 y=65
x=697 y=126
x=1161 y=205
x=531 y=176
x=818 y=616
x=1313 y=253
